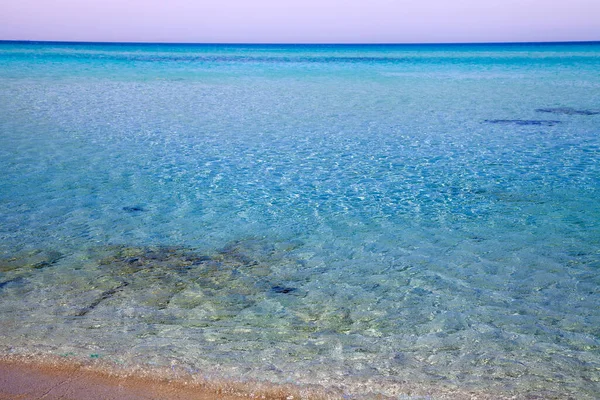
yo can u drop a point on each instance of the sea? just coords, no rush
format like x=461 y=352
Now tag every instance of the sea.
x=390 y=221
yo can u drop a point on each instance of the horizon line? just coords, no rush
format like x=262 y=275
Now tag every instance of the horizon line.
x=298 y=43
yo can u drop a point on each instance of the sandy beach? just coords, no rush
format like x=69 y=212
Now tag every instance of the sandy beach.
x=51 y=379
x=30 y=381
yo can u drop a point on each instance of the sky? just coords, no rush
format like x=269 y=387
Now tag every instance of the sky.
x=301 y=21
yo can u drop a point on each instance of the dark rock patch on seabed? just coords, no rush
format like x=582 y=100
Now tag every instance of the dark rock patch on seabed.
x=282 y=289
x=133 y=209
x=523 y=122
x=175 y=278
x=17 y=280
x=175 y=285
x=36 y=259
x=107 y=294
x=15 y=269
x=567 y=111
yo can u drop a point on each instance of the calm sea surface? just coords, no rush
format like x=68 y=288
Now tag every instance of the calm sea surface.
x=371 y=219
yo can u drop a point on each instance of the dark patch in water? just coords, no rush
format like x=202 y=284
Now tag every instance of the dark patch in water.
x=477 y=239
x=158 y=284
x=163 y=276
x=36 y=259
x=134 y=209
x=198 y=260
x=132 y=260
x=233 y=251
x=400 y=358
x=523 y=122
x=282 y=289
x=13 y=281
x=107 y=294
x=567 y=111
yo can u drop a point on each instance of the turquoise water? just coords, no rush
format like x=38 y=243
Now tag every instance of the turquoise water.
x=386 y=220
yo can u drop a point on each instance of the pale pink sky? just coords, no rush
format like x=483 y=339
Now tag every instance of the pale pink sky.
x=300 y=21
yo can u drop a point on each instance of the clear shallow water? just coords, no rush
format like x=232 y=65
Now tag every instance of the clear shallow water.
x=372 y=219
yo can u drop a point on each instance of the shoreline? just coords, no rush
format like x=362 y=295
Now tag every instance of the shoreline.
x=28 y=378
x=52 y=377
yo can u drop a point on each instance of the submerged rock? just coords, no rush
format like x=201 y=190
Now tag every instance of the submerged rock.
x=151 y=286
x=35 y=259
x=134 y=209
x=283 y=289
x=14 y=281
x=523 y=122
x=133 y=259
x=107 y=294
x=567 y=111
x=158 y=278
x=16 y=269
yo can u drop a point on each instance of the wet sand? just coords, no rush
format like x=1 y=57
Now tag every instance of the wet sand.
x=27 y=380
x=54 y=378
x=72 y=383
